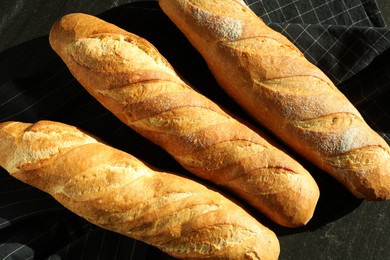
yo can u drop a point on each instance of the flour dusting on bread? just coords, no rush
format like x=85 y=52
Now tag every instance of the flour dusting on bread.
x=225 y=27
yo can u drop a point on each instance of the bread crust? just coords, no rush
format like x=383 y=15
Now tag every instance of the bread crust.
x=118 y=192
x=130 y=78
x=273 y=81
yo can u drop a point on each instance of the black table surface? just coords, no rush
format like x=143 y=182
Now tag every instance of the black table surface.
x=343 y=227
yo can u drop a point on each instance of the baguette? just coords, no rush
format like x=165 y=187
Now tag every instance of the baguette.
x=118 y=192
x=273 y=81
x=134 y=81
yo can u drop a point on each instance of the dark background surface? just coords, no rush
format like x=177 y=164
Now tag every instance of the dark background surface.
x=343 y=227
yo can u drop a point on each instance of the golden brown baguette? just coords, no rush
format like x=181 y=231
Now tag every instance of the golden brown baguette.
x=271 y=79
x=118 y=192
x=134 y=81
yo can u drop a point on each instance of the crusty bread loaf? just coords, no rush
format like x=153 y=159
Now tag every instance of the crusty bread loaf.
x=131 y=79
x=116 y=191
x=270 y=78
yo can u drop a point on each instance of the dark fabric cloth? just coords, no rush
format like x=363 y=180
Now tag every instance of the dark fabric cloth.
x=347 y=39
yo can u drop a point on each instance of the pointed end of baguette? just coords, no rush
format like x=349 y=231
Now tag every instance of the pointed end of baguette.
x=299 y=203
x=62 y=31
x=75 y=26
x=373 y=184
x=9 y=133
x=365 y=171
